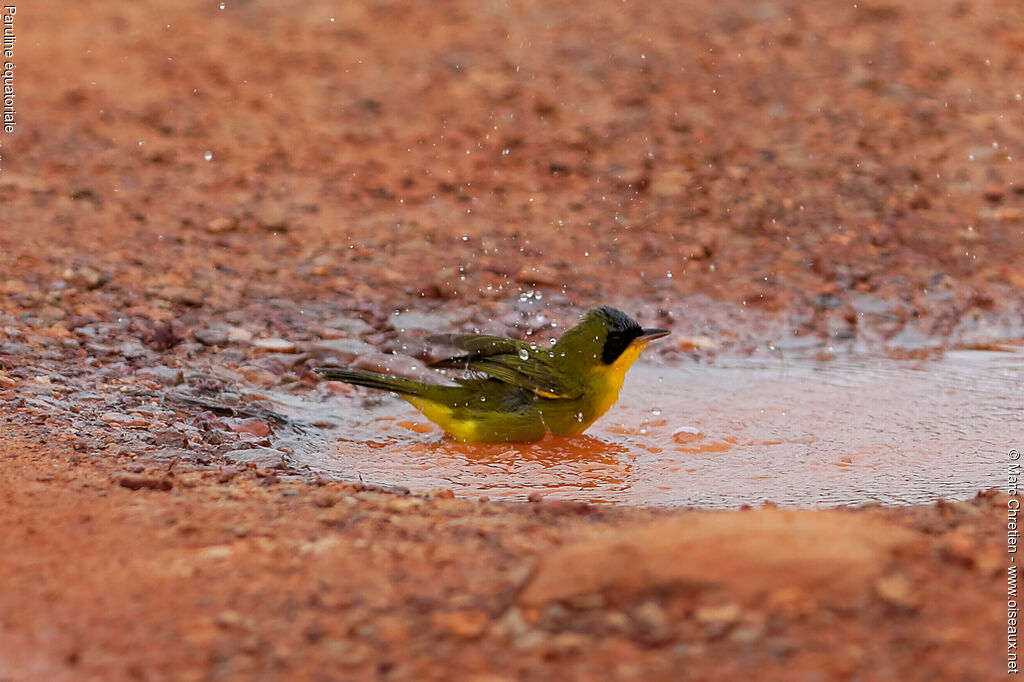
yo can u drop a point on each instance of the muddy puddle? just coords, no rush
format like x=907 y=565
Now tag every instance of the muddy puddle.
x=797 y=432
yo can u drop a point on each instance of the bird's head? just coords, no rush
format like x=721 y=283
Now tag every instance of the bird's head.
x=606 y=339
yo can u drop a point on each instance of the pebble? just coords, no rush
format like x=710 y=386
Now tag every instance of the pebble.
x=14 y=349
x=116 y=418
x=463 y=624
x=342 y=350
x=254 y=426
x=193 y=296
x=167 y=376
x=170 y=438
x=239 y=335
x=258 y=375
x=211 y=336
x=261 y=457
x=724 y=613
x=235 y=355
x=341 y=327
x=651 y=623
x=133 y=349
x=386 y=363
x=85 y=277
x=275 y=345
x=221 y=225
x=895 y=589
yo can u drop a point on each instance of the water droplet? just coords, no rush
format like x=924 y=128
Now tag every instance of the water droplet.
x=579 y=416
x=208 y=156
x=656 y=411
x=222 y=5
x=524 y=354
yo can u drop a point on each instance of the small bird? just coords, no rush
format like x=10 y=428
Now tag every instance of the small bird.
x=518 y=391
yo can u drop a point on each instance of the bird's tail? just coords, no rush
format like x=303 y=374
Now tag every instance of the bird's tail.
x=384 y=382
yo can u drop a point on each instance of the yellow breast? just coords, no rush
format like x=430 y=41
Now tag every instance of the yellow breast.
x=610 y=378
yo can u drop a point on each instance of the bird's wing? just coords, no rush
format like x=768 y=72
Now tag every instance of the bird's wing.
x=476 y=345
x=517 y=363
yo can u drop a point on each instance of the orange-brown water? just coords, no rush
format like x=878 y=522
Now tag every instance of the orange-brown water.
x=795 y=432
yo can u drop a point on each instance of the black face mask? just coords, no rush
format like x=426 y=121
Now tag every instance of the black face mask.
x=618 y=340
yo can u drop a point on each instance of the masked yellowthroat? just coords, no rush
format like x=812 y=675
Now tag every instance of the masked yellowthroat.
x=518 y=391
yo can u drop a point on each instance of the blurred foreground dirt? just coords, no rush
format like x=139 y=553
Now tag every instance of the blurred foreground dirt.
x=219 y=199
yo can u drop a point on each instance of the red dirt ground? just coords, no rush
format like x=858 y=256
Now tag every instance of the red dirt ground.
x=185 y=178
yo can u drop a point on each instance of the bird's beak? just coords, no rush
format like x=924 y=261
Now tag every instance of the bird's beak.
x=651 y=334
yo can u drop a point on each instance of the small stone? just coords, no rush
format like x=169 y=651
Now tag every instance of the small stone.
x=386 y=363
x=221 y=225
x=228 y=619
x=258 y=375
x=275 y=345
x=651 y=623
x=464 y=624
x=261 y=457
x=170 y=438
x=116 y=418
x=341 y=327
x=253 y=426
x=133 y=349
x=229 y=355
x=167 y=376
x=191 y=296
x=239 y=335
x=85 y=277
x=895 y=589
x=211 y=336
x=724 y=613
x=14 y=349
x=342 y=350
x=252 y=440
